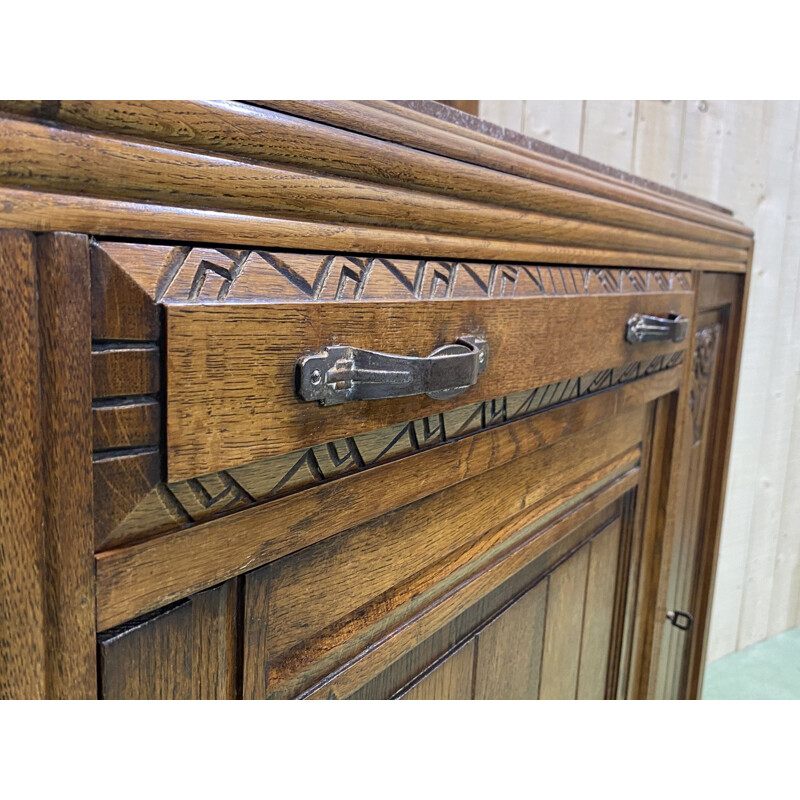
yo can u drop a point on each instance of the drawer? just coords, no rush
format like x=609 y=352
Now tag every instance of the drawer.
x=231 y=395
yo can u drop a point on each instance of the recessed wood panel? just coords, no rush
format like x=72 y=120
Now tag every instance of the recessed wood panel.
x=601 y=593
x=187 y=652
x=563 y=628
x=449 y=680
x=510 y=650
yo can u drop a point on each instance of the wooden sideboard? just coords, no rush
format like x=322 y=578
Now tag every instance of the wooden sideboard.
x=199 y=502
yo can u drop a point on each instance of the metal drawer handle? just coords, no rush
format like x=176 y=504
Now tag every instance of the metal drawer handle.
x=644 y=328
x=340 y=374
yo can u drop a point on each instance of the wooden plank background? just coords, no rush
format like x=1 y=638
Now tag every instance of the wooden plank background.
x=742 y=155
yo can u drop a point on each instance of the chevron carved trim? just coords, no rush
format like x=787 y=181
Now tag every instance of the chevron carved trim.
x=206 y=275
x=176 y=505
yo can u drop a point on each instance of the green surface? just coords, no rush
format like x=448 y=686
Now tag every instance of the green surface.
x=769 y=670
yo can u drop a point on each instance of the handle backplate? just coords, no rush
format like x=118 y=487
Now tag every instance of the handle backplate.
x=341 y=374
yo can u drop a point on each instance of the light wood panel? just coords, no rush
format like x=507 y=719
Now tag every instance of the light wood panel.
x=608 y=132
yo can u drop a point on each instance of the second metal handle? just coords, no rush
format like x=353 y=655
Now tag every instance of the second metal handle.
x=646 y=328
x=340 y=374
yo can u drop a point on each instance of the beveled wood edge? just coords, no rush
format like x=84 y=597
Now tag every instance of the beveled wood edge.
x=391 y=122
x=97 y=164
x=395 y=172
x=351 y=675
x=46 y=211
x=464 y=119
x=722 y=441
x=140 y=577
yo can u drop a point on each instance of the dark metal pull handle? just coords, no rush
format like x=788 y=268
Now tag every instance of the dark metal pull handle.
x=644 y=328
x=682 y=620
x=340 y=374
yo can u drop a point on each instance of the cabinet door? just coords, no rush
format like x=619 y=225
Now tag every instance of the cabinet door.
x=559 y=638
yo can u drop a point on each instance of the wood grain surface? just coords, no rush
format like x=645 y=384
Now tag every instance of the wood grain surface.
x=231 y=395
x=22 y=605
x=137 y=578
x=65 y=319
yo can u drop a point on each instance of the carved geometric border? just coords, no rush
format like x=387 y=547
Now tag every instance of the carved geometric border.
x=184 y=503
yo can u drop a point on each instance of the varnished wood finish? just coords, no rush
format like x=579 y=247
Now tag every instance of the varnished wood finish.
x=65 y=316
x=524 y=564
x=510 y=651
x=393 y=123
x=42 y=211
x=137 y=578
x=233 y=369
x=449 y=680
x=22 y=637
x=176 y=523
x=187 y=652
x=296 y=614
x=504 y=631
x=85 y=163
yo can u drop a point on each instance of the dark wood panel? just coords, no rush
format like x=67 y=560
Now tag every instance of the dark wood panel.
x=123 y=371
x=395 y=124
x=65 y=319
x=43 y=211
x=187 y=652
x=130 y=422
x=245 y=131
x=22 y=617
x=327 y=596
x=479 y=597
x=449 y=680
x=84 y=163
x=233 y=369
x=138 y=578
x=510 y=650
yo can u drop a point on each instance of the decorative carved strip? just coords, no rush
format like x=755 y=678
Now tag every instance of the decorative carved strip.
x=206 y=275
x=176 y=505
x=705 y=354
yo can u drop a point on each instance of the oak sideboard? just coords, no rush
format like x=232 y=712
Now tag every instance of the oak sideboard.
x=353 y=400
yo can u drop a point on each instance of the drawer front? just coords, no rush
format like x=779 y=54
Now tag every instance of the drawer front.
x=236 y=323
x=231 y=371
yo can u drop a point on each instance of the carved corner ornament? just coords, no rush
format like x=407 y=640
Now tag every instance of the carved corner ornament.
x=706 y=342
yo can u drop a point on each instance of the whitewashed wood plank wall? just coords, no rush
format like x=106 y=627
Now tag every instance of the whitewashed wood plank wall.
x=744 y=155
